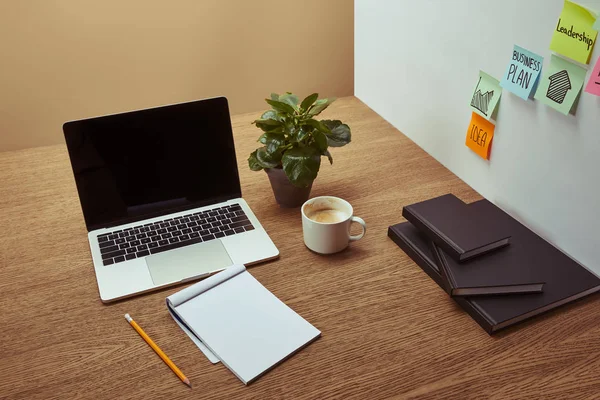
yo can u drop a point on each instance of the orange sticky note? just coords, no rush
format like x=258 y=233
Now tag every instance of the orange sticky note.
x=480 y=135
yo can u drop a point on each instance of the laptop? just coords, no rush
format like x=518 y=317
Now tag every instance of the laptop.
x=161 y=197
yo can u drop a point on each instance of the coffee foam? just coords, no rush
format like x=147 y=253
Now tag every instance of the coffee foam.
x=320 y=204
x=328 y=216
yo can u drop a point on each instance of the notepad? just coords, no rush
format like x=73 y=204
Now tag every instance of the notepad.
x=240 y=323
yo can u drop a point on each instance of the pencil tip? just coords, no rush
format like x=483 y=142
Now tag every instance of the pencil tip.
x=187 y=382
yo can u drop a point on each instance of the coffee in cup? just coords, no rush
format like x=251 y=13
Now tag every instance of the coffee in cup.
x=327 y=216
x=326 y=224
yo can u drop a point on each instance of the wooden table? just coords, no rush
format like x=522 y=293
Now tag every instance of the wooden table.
x=388 y=330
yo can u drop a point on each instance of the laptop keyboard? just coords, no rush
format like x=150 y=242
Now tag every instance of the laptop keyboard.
x=172 y=233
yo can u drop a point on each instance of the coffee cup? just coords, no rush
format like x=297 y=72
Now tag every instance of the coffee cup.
x=326 y=224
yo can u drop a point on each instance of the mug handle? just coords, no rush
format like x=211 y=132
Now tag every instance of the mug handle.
x=364 y=230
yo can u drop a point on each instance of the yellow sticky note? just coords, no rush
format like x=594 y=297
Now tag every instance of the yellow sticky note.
x=480 y=135
x=574 y=35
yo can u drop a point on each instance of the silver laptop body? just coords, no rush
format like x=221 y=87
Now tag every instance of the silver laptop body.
x=161 y=197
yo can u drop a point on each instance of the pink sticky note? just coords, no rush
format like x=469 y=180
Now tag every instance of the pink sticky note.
x=593 y=85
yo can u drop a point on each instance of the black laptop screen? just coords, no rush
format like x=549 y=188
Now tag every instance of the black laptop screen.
x=147 y=163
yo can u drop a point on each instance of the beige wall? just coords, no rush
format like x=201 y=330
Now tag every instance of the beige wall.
x=70 y=59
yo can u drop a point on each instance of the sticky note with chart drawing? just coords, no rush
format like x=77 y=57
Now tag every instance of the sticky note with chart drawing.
x=486 y=95
x=479 y=135
x=561 y=84
x=522 y=73
x=574 y=35
x=593 y=85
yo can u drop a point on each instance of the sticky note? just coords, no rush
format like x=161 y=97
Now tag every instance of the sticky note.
x=479 y=135
x=522 y=73
x=486 y=95
x=593 y=85
x=561 y=84
x=574 y=36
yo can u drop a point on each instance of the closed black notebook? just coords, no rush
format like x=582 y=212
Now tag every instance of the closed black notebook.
x=459 y=230
x=505 y=271
x=565 y=279
x=510 y=269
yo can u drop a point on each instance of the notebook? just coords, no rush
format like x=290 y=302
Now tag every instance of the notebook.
x=240 y=323
x=505 y=271
x=510 y=269
x=460 y=231
x=566 y=280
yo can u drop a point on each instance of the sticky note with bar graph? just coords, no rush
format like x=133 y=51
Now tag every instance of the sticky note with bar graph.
x=486 y=95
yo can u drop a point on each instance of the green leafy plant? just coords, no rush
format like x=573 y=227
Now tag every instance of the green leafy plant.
x=294 y=140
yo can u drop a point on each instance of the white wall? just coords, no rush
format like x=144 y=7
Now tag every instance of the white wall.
x=416 y=64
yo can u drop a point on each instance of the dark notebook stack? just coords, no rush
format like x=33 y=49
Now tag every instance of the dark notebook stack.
x=499 y=271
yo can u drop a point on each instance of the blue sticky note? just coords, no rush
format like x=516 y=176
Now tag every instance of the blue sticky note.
x=523 y=72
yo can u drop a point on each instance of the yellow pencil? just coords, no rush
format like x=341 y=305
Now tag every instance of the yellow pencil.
x=158 y=351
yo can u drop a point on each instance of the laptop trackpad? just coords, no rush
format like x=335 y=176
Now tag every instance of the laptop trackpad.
x=188 y=262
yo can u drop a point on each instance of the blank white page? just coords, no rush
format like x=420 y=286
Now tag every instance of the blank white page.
x=246 y=326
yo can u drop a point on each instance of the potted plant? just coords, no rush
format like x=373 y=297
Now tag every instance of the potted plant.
x=293 y=144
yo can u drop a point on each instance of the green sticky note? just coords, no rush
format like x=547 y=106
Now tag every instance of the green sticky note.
x=561 y=84
x=486 y=95
x=574 y=36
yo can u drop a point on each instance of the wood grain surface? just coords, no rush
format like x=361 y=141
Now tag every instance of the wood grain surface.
x=388 y=330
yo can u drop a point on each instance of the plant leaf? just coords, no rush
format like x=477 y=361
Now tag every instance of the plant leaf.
x=253 y=162
x=301 y=165
x=340 y=133
x=273 y=146
x=268 y=137
x=279 y=130
x=269 y=128
x=319 y=106
x=290 y=99
x=273 y=142
x=274 y=96
x=320 y=140
x=281 y=107
x=328 y=154
x=267 y=160
x=268 y=121
x=291 y=128
x=309 y=100
x=303 y=133
x=317 y=125
x=271 y=114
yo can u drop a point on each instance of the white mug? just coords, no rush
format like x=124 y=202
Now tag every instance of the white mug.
x=326 y=224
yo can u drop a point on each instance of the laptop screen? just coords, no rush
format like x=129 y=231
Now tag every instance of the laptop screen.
x=143 y=164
